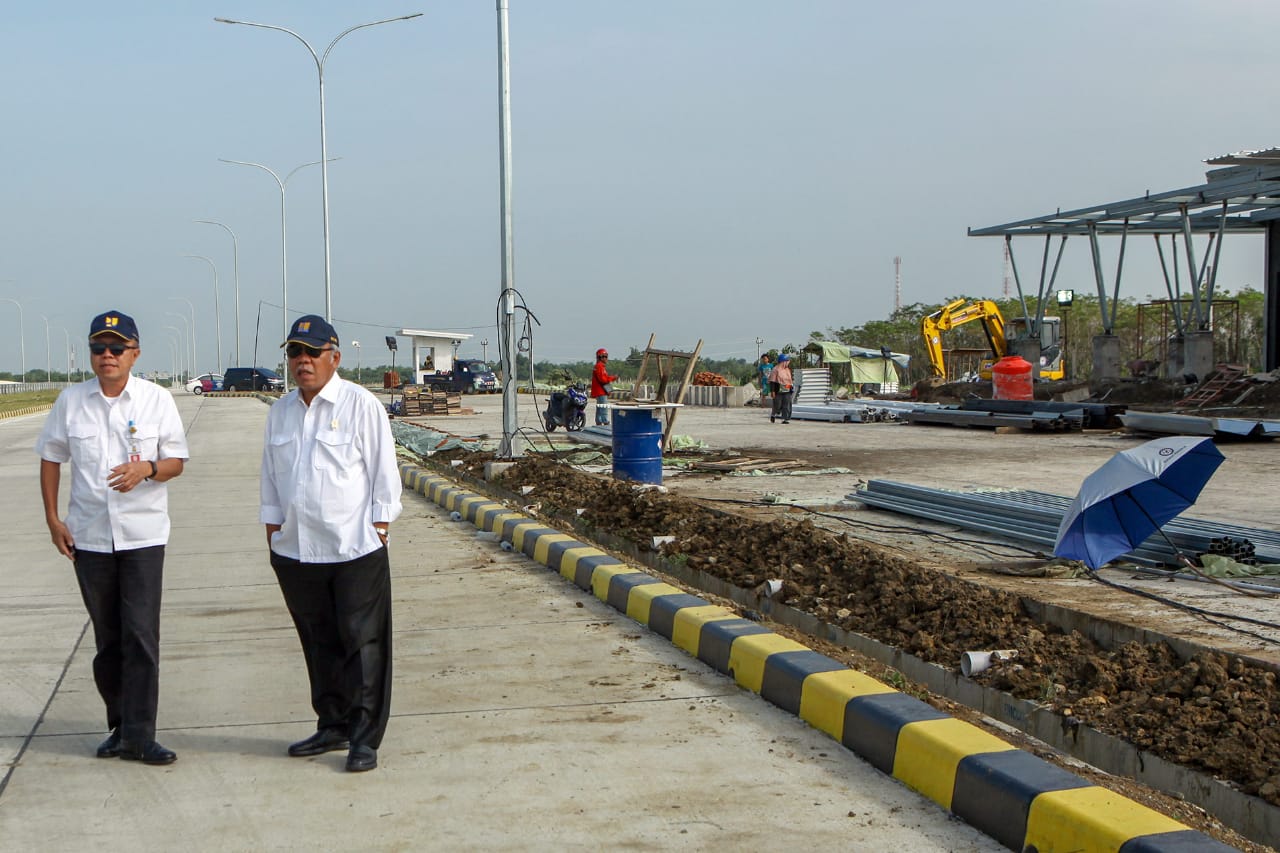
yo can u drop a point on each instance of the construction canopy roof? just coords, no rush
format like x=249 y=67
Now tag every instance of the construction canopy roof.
x=1243 y=195
x=833 y=352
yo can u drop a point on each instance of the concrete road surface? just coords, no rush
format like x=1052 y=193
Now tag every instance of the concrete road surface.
x=526 y=713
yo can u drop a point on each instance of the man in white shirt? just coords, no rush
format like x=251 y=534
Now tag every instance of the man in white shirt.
x=124 y=440
x=330 y=488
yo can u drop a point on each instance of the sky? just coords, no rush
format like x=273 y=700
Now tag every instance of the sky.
x=730 y=171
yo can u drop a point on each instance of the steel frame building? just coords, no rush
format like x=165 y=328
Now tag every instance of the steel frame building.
x=1241 y=195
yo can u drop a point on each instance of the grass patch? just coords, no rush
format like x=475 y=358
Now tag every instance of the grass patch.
x=25 y=400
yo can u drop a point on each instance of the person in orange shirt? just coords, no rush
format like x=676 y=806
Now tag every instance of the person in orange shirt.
x=600 y=379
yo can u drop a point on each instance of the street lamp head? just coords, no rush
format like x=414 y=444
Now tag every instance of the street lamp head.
x=227 y=21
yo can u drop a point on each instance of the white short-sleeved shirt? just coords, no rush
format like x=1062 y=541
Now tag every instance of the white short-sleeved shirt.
x=95 y=433
x=328 y=473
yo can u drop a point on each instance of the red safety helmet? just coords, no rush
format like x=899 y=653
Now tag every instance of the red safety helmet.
x=602 y=353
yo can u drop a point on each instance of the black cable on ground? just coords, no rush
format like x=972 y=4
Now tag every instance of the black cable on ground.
x=1196 y=611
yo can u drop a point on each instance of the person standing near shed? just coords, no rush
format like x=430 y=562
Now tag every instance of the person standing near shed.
x=330 y=489
x=124 y=440
x=781 y=384
x=600 y=379
x=764 y=369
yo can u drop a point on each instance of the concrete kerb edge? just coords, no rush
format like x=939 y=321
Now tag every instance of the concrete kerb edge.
x=1011 y=795
x=29 y=410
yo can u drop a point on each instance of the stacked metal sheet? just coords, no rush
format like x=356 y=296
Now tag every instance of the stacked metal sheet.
x=1220 y=428
x=857 y=411
x=1034 y=517
x=813 y=386
x=1096 y=415
x=1033 y=420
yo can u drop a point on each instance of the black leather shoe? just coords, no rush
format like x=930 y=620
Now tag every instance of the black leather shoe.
x=325 y=740
x=110 y=747
x=361 y=758
x=151 y=753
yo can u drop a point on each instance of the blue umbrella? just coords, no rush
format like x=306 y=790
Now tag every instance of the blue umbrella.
x=1132 y=495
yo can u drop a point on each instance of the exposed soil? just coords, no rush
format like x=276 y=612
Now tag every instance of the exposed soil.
x=1212 y=713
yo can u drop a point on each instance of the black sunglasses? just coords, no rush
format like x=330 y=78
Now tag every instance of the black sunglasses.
x=116 y=349
x=295 y=350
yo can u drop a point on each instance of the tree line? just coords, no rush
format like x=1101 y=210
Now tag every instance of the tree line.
x=1142 y=327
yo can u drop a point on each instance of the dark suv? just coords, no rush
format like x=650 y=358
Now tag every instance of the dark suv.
x=251 y=379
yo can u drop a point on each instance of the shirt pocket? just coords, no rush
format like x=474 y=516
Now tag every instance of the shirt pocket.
x=281 y=453
x=147 y=437
x=336 y=453
x=85 y=442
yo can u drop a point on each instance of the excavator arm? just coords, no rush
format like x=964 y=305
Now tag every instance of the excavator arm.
x=958 y=313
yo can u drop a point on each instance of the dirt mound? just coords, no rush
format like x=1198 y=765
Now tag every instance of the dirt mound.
x=1209 y=713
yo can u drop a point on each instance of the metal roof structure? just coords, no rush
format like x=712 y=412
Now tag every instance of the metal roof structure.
x=1240 y=195
x=1243 y=195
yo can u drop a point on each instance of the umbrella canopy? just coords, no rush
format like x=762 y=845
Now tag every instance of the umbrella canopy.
x=1132 y=495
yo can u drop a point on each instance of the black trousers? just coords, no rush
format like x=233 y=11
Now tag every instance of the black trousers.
x=342 y=612
x=782 y=405
x=122 y=591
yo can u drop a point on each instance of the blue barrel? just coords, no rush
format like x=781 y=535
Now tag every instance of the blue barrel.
x=637 y=445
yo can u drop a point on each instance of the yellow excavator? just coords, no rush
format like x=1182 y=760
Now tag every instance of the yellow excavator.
x=998 y=333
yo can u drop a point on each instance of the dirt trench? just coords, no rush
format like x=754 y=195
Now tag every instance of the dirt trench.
x=1211 y=713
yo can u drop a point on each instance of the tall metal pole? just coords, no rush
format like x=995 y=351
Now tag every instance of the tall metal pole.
x=181 y=335
x=22 y=337
x=195 y=361
x=217 y=306
x=284 y=241
x=324 y=168
x=235 y=252
x=510 y=446
x=67 y=335
x=48 y=351
x=186 y=336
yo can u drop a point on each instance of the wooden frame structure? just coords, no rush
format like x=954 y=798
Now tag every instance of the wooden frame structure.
x=665 y=361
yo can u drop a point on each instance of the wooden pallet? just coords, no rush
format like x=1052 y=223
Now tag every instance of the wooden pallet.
x=743 y=463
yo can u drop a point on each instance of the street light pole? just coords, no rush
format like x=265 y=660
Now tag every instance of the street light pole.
x=48 y=352
x=22 y=338
x=235 y=253
x=181 y=335
x=195 y=361
x=186 y=336
x=217 y=306
x=67 y=335
x=324 y=156
x=484 y=350
x=284 y=242
x=356 y=344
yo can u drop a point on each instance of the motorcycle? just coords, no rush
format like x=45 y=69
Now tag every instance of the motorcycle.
x=567 y=408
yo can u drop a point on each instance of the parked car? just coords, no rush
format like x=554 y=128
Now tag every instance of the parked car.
x=205 y=382
x=251 y=379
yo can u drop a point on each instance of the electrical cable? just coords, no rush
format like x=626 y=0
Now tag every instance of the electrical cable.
x=1200 y=612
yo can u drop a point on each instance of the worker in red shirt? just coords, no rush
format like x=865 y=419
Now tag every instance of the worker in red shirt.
x=600 y=379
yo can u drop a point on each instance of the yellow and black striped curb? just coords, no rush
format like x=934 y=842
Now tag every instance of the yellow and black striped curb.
x=1020 y=800
x=29 y=410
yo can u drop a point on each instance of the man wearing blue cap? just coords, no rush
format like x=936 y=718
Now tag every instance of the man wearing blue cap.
x=330 y=489
x=124 y=440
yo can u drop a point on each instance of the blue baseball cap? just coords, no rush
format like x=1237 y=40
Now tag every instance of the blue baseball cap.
x=114 y=323
x=313 y=331
x=784 y=357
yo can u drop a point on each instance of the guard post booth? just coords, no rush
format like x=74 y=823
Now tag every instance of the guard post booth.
x=432 y=352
